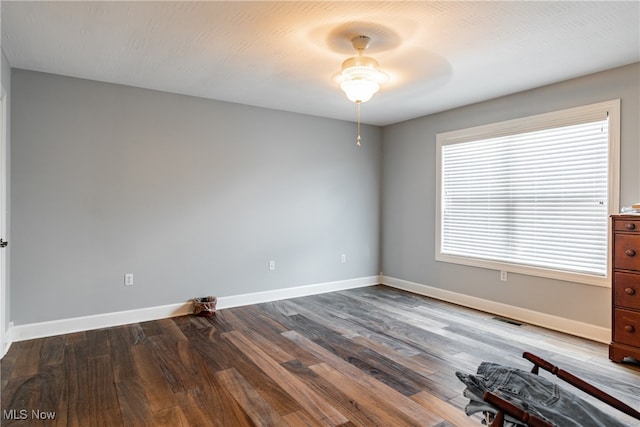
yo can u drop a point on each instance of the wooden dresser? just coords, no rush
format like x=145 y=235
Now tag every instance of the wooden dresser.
x=625 y=324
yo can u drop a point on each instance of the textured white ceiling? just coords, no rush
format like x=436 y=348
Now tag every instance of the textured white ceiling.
x=285 y=55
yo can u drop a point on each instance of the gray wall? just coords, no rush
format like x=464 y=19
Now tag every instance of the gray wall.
x=196 y=196
x=192 y=196
x=409 y=195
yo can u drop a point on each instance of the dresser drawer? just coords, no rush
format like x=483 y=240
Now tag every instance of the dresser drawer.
x=626 y=329
x=627 y=252
x=626 y=290
x=628 y=225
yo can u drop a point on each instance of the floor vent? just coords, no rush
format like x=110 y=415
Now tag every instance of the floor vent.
x=509 y=321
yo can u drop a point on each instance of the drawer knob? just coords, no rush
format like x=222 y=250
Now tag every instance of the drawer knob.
x=630 y=226
x=630 y=252
x=629 y=328
x=630 y=291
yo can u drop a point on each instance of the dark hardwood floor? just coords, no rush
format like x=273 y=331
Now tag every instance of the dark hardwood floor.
x=365 y=357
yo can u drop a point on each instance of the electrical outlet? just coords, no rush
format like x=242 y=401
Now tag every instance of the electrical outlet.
x=503 y=276
x=343 y=258
x=272 y=265
x=128 y=279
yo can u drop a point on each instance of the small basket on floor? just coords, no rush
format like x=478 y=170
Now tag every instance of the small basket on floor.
x=205 y=306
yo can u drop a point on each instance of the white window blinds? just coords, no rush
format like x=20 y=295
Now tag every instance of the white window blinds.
x=538 y=198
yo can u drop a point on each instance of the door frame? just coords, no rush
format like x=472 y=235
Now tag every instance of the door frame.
x=4 y=341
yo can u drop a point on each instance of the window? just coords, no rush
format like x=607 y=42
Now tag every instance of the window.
x=531 y=195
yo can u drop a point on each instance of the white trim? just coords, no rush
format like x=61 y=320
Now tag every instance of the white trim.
x=64 y=326
x=4 y=126
x=97 y=321
x=580 y=114
x=300 y=291
x=8 y=340
x=549 y=321
x=105 y=320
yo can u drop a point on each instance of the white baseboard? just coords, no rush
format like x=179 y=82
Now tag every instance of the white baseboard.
x=300 y=291
x=7 y=339
x=64 y=326
x=105 y=320
x=561 y=324
x=97 y=321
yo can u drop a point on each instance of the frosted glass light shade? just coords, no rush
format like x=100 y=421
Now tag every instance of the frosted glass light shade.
x=360 y=78
x=359 y=90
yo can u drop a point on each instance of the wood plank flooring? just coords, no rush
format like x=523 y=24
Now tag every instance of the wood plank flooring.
x=372 y=356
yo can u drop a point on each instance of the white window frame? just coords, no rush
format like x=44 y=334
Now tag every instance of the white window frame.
x=529 y=124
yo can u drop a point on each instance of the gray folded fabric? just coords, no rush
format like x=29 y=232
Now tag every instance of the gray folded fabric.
x=532 y=393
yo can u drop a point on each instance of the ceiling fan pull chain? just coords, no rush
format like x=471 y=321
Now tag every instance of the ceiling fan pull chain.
x=358 y=139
